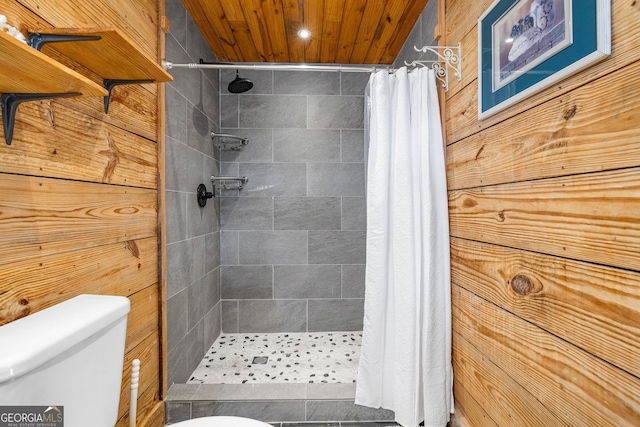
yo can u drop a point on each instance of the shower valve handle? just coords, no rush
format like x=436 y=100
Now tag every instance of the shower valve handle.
x=203 y=195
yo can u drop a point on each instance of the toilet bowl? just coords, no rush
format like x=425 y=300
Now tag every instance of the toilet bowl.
x=220 y=422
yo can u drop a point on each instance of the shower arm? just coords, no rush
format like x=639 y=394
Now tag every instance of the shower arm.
x=242 y=179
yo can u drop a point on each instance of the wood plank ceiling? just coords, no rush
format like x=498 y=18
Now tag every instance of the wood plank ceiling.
x=342 y=31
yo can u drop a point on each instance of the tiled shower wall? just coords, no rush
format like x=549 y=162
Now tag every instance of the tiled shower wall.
x=293 y=239
x=193 y=233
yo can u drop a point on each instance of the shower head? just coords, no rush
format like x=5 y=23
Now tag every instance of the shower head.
x=240 y=84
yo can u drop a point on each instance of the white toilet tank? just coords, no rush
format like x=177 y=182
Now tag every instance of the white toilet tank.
x=70 y=356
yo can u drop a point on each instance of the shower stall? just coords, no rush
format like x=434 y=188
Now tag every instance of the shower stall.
x=282 y=294
x=275 y=269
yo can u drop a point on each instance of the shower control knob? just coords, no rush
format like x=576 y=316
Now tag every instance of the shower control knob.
x=203 y=195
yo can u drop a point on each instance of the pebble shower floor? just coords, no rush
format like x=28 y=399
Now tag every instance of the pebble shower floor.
x=323 y=357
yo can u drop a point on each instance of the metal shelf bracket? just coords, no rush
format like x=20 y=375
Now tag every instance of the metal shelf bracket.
x=37 y=40
x=109 y=84
x=10 y=102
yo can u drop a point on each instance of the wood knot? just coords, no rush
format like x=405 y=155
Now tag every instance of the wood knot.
x=133 y=248
x=522 y=284
x=469 y=203
x=501 y=216
x=570 y=113
x=24 y=301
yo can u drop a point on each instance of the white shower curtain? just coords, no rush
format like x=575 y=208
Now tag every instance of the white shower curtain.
x=405 y=362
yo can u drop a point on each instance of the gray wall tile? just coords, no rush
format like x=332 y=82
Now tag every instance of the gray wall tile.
x=185 y=80
x=336 y=179
x=272 y=316
x=229 y=316
x=229 y=111
x=198 y=131
x=257 y=410
x=212 y=325
x=177 y=14
x=306 y=145
x=337 y=247
x=186 y=167
x=274 y=179
x=273 y=247
x=246 y=213
x=344 y=410
x=353 y=83
x=276 y=111
x=186 y=355
x=354 y=213
x=306 y=213
x=247 y=282
x=258 y=150
x=307 y=281
x=306 y=83
x=229 y=247
x=429 y=19
x=201 y=297
x=212 y=251
x=262 y=81
x=179 y=266
x=176 y=216
x=177 y=411
x=336 y=112
x=212 y=109
x=353 y=146
x=198 y=258
x=176 y=114
x=177 y=312
x=200 y=220
x=336 y=315
x=353 y=279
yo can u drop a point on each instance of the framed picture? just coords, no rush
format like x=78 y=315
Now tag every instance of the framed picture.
x=527 y=45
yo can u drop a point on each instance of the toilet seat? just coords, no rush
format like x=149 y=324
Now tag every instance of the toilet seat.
x=221 y=422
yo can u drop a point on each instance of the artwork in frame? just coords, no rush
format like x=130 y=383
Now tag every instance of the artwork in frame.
x=527 y=45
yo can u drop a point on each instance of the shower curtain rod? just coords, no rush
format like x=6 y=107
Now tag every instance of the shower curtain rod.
x=276 y=66
x=448 y=57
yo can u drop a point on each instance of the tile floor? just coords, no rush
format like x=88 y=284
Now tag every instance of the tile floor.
x=321 y=357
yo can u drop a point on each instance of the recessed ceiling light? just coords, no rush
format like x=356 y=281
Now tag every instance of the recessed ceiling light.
x=304 y=34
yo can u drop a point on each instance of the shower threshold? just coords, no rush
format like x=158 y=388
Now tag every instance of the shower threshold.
x=306 y=377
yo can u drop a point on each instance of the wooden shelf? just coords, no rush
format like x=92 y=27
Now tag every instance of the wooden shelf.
x=114 y=56
x=25 y=70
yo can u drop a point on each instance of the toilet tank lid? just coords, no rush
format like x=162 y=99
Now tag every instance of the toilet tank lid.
x=30 y=342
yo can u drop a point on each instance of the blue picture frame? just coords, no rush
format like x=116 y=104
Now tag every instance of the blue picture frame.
x=520 y=53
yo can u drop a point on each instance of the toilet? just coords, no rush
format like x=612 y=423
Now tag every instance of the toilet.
x=66 y=361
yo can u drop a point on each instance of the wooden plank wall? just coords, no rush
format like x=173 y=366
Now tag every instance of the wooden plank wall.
x=79 y=193
x=544 y=202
